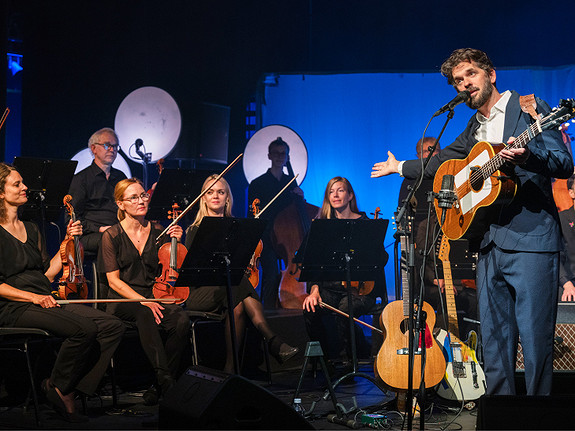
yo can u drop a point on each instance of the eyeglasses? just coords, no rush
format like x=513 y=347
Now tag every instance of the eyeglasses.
x=107 y=146
x=136 y=198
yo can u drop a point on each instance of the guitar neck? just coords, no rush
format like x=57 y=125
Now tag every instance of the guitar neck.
x=450 y=299
x=404 y=275
x=522 y=140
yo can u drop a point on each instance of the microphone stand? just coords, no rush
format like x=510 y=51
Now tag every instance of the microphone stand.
x=416 y=324
x=145 y=157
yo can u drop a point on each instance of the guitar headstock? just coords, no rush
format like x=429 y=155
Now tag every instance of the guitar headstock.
x=444 y=248
x=559 y=115
x=405 y=225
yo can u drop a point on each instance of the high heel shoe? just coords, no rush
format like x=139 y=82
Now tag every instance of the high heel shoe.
x=280 y=350
x=58 y=405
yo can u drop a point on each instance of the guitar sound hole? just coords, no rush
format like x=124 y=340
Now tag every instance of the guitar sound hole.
x=476 y=182
x=403 y=326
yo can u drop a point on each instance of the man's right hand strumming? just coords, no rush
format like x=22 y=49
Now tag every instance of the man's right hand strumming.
x=381 y=169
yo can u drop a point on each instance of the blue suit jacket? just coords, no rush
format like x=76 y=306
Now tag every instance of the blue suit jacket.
x=530 y=222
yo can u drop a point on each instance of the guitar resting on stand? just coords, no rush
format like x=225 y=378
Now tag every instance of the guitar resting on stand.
x=464 y=378
x=416 y=322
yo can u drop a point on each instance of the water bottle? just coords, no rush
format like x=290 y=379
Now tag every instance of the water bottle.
x=298 y=407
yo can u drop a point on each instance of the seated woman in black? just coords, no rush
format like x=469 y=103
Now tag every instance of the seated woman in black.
x=217 y=202
x=90 y=336
x=339 y=202
x=129 y=257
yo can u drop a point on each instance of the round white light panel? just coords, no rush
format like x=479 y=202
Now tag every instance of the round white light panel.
x=255 y=160
x=152 y=115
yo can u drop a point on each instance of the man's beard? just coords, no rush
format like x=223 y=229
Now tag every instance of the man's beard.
x=482 y=97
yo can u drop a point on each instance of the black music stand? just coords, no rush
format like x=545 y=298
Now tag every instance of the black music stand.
x=345 y=250
x=48 y=181
x=219 y=254
x=175 y=186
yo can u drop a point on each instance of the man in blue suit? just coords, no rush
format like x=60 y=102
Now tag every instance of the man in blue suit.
x=518 y=264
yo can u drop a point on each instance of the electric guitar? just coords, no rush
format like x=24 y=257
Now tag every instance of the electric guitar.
x=391 y=364
x=464 y=378
x=480 y=182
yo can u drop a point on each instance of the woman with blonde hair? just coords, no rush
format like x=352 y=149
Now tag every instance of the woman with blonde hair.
x=129 y=257
x=217 y=202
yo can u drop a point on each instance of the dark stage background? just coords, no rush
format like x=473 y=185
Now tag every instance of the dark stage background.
x=81 y=58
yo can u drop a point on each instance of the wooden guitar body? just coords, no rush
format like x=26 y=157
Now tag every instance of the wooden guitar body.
x=391 y=365
x=477 y=197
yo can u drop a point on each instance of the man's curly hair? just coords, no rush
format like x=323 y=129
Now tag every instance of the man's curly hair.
x=465 y=55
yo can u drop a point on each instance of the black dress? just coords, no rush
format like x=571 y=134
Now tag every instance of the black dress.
x=117 y=252
x=90 y=336
x=214 y=298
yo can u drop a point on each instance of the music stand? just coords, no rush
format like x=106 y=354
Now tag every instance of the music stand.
x=347 y=250
x=219 y=255
x=48 y=181
x=175 y=186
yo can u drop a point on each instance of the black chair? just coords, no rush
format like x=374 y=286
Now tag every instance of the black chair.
x=203 y=317
x=18 y=339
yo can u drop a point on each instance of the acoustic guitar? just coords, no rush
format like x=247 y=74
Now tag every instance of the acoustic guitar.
x=464 y=377
x=392 y=365
x=481 y=185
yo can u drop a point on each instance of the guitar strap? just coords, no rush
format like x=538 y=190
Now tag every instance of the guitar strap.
x=529 y=106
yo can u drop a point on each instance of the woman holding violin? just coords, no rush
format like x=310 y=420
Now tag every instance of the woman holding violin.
x=129 y=257
x=89 y=336
x=217 y=202
x=339 y=202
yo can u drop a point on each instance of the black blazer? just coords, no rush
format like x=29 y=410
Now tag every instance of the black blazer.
x=530 y=222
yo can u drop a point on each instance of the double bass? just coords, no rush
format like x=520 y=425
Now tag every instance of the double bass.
x=290 y=227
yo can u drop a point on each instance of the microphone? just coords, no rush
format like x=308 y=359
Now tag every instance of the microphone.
x=446 y=196
x=461 y=97
x=139 y=143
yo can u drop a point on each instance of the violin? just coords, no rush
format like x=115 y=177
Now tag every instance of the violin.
x=72 y=283
x=252 y=271
x=171 y=256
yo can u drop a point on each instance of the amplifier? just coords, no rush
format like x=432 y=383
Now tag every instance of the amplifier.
x=564 y=351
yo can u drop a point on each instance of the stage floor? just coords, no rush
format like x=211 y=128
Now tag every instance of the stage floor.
x=131 y=413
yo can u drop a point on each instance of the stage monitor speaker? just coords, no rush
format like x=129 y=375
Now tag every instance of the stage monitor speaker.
x=208 y=399
x=509 y=412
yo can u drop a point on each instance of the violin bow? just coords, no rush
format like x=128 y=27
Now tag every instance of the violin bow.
x=107 y=301
x=189 y=207
x=4 y=116
x=335 y=310
x=276 y=196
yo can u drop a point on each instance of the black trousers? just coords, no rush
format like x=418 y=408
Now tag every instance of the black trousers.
x=166 y=360
x=80 y=349
x=110 y=333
